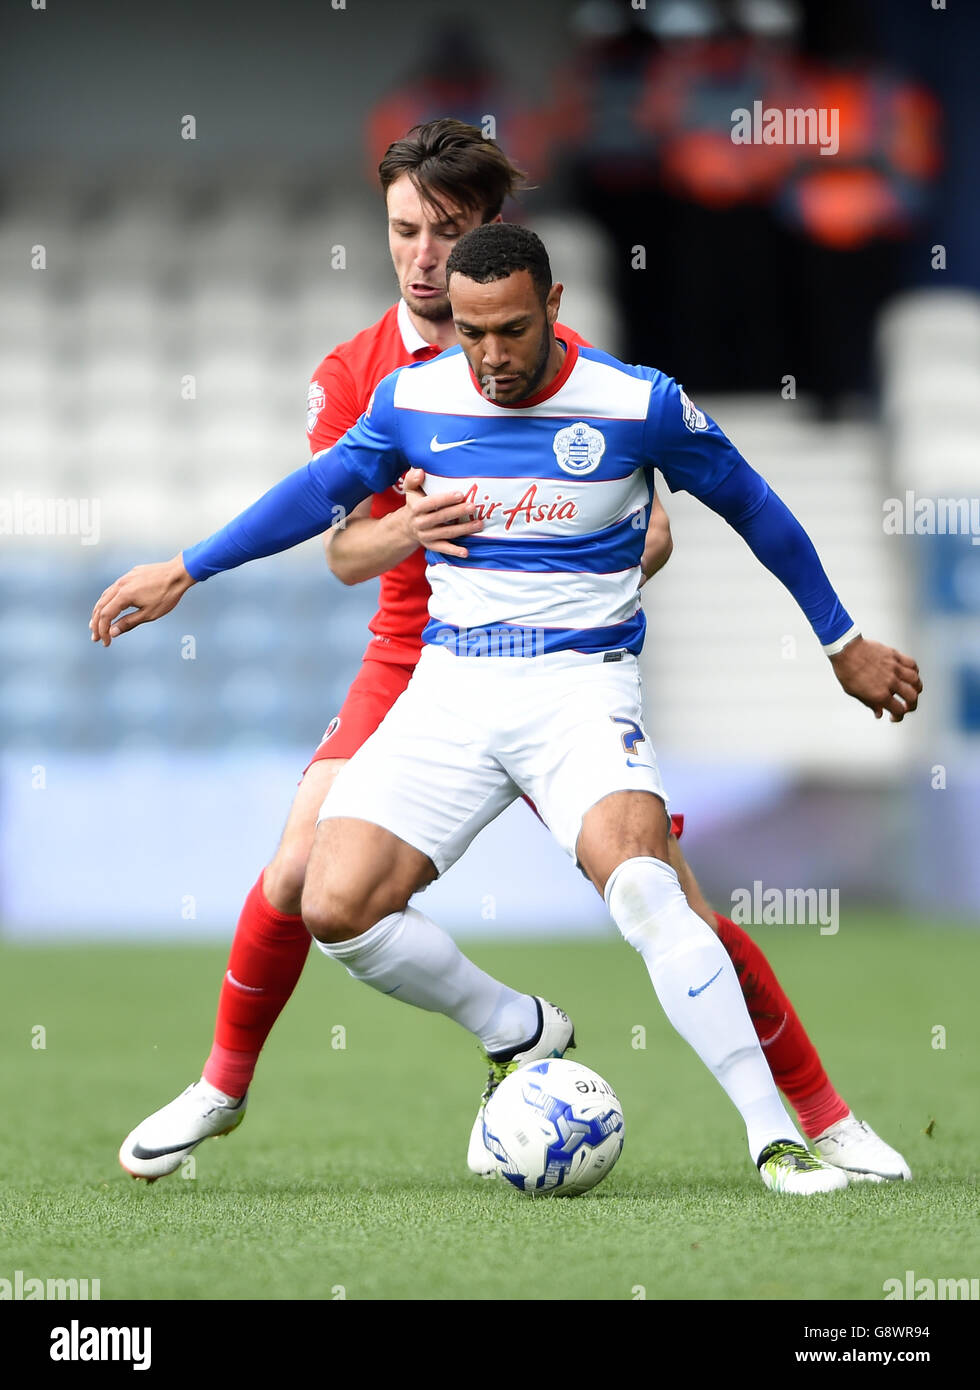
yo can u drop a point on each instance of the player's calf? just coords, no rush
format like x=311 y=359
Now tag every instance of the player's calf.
x=699 y=992
x=689 y=884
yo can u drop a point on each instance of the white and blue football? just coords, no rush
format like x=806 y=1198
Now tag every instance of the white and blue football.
x=554 y=1128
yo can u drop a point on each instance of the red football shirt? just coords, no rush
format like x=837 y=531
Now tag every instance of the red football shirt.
x=339 y=393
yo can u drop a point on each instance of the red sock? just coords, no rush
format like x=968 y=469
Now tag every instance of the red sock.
x=267 y=958
x=793 y=1060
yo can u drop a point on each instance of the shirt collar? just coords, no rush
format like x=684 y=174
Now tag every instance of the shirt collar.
x=411 y=337
x=564 y=372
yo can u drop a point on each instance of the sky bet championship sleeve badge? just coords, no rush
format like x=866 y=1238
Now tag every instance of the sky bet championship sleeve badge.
x=315 y=401
x=694 y=419
x=578 y=448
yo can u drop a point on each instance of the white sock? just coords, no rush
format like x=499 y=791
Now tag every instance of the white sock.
x=699 y=992
x=409 y=958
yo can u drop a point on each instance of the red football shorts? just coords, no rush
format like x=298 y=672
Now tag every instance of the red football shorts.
x=375 y=689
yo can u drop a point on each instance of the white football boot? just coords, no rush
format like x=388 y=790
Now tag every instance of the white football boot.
x=786 y=1166
x=852 y=1145
x=160 y=1144
x=555 y=1037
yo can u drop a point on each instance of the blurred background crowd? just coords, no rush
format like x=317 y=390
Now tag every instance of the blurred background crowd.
x=189 y=222
x=785 y=250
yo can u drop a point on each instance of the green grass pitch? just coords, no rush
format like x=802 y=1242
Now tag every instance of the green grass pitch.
x=348 y=1175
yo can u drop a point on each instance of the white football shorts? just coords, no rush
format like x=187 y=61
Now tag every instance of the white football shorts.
x=471 y=734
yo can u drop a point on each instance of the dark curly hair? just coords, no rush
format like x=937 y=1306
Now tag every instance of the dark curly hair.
x=498 y=249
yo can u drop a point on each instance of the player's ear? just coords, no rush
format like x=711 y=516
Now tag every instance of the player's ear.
x=553 y=302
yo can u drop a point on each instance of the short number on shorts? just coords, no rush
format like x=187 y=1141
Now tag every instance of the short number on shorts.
x=632 y=734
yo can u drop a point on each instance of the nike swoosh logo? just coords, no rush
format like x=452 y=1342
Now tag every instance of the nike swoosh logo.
x=701 y=988
x=768 y=1042
x=438 y=448
x=139 y=1152
x=634 y=762
x=249 y=989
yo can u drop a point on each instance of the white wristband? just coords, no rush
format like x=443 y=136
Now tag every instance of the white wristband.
x=832 y=648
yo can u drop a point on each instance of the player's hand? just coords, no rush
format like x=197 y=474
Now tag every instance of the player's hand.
x=151 y=590
x=880 y=677
x=435 y=522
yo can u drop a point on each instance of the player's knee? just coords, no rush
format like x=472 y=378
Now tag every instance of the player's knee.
x=342 y=912
x=646 y=902
x=328 y=917
x=284 y=878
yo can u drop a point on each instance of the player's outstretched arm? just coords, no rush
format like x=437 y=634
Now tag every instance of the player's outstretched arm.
x=308 y=502
x=695 y=455
x=150 y=590
x=295 y=510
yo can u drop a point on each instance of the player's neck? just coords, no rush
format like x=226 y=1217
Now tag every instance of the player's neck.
x=556 y=360
x=440 y=333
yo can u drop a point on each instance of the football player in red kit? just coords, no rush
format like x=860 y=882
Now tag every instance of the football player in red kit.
x=440 y=181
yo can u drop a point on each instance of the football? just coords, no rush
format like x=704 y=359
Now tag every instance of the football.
x=555 y=1128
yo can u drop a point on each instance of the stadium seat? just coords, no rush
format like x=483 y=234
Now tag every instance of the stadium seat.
x=925 y=323
x=28 y=442
x=228 y=315
x=944 y=387
x=936 y=459
x=115 y=317
x=25 y=381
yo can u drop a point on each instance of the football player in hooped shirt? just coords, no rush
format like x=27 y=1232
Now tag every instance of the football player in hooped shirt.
x=559 y=443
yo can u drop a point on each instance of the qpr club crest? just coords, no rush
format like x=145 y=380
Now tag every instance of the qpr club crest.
x=578 y=448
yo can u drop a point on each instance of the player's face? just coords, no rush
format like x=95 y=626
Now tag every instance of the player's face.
x=420 y=240
x=507 y=334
